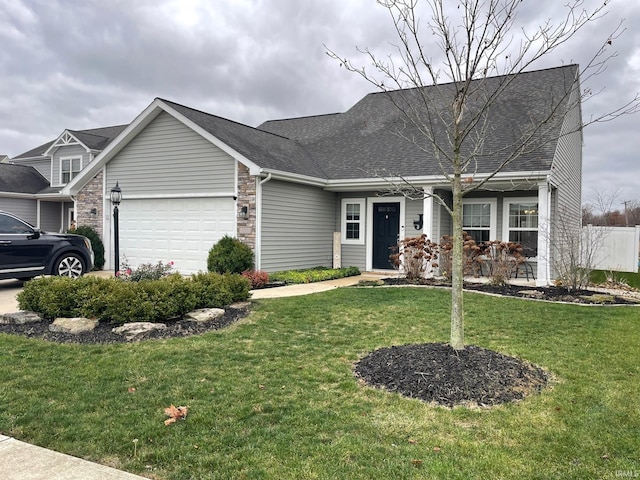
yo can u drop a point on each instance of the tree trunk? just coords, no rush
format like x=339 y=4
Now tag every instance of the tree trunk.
x=457 y=266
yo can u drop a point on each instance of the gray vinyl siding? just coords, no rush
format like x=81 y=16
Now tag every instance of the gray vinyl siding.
x=413 y=208
x=51 y=216
x=354 y=256
x=566 y=176
x=42 y=165
x=167 y=157
x=297 y=226
x=21 y=207
x=65 y=152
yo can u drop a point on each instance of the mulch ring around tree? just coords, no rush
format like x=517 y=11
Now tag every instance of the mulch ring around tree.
x=436 y=373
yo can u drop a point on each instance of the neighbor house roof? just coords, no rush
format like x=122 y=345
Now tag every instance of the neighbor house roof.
x=21 y=179
x=94 y=139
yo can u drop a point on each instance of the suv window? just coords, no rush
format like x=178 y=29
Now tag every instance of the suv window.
x=13 y=225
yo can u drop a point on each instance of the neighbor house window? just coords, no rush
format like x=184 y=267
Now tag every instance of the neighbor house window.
x=521 y=223
x=479 y=219
x=69 y=168
x=353 y=220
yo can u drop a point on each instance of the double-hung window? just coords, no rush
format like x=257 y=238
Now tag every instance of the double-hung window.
x=521 y=223
x=353 y=211
x=479 y=219
x=69 y=168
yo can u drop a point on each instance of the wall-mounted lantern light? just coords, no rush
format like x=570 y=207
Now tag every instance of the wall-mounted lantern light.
x=419 y=223
x=94 y=211
x=244 y=212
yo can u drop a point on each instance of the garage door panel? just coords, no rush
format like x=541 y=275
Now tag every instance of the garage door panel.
x=178 y=230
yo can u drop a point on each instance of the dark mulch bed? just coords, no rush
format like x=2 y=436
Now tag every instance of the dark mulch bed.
x=550 y=293
x=435 y=372
x=103 y=332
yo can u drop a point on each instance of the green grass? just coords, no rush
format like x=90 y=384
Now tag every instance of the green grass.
x=273 y=397
x=631 y=279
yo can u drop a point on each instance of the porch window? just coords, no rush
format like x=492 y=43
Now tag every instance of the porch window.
x=522 y=223
x=353 y=220
x=479 y=219
x=69 y=168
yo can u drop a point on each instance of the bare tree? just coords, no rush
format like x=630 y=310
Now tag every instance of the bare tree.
x=480 y=50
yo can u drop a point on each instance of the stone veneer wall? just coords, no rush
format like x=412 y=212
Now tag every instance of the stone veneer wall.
x=91 y=197
x=246 y=197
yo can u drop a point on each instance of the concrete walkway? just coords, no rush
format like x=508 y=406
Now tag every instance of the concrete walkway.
x=22 y=461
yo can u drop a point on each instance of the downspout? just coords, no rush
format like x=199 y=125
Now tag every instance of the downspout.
x=259 y=221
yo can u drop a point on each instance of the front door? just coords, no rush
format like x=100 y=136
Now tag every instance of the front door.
x=386 y=230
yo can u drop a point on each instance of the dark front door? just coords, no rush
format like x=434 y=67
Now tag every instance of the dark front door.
x=386 y=228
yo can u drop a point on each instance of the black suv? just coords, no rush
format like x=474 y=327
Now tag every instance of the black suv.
x=26 y=252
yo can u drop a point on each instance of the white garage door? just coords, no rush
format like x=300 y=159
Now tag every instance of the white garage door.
x=181 y=230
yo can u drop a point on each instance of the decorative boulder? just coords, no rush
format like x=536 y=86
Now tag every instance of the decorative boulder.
x=138 y=330
x=19 y=318
x=74 y=326
x=204 y=315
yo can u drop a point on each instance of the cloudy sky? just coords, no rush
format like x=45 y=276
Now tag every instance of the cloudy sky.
x=81 y=64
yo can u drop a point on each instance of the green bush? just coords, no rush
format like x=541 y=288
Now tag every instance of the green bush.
x=96 y=244
x=216 y=290
x=318 y=274
x=229 y=255
x=114 y=301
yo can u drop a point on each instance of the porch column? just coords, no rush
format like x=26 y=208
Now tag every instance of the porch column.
x=544 y=235
x=427 y=213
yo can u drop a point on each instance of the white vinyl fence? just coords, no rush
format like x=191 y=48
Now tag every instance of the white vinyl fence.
x=611 y=248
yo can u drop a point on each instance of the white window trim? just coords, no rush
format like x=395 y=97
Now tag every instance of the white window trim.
x=71 y=159
x=505 y=216
x=343 y=221
x=493 y=213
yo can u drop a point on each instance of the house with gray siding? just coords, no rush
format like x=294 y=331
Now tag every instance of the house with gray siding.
x=312 y=191
x=31 y=183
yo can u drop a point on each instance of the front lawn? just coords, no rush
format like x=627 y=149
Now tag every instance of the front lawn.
x=274 y=397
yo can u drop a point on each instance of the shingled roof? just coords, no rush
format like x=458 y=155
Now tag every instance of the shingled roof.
x=266 y=149
x=21 y=179
x=94 y=139
x=372 y=135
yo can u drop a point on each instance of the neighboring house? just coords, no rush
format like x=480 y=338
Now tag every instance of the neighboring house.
x=40 y=201
x=287 y=186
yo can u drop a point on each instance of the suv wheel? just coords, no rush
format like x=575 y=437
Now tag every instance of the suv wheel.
x=69 y=265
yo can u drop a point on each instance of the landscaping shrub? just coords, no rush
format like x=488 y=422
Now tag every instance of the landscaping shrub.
x=229 y=255
x=96 y=244
x=112 y=300
x=258 y=278
x=318 y=274
x=502 y=259
x=416 y=257
x=216 y=290
x=471 y=264
x=145 y=271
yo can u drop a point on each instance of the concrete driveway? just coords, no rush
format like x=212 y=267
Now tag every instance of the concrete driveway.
x=8 y=291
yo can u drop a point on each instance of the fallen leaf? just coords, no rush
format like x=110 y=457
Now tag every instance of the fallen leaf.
x=131 y=389
x=416 y=463
x=412 y=441
x=175 y=414
x=261 y=387
x=436 y=449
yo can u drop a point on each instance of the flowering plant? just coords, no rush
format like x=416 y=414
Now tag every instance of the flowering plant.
x=145 y=271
